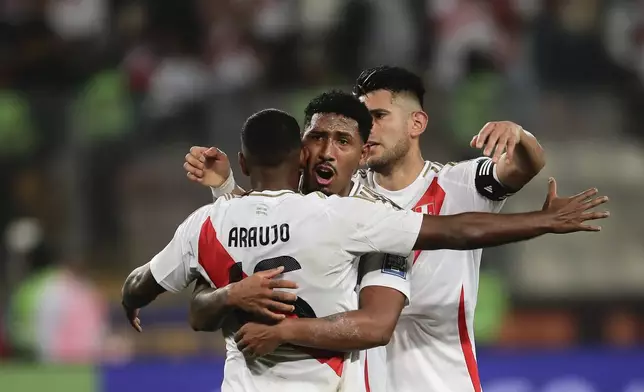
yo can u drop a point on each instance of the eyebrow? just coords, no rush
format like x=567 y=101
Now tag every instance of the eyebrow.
x=379 y=111
x=326 y=132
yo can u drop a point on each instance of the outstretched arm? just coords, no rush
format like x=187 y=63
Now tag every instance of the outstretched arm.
x=370 y=326
x=479 y=230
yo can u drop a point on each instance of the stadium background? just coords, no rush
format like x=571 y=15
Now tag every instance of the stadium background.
x=101 y=99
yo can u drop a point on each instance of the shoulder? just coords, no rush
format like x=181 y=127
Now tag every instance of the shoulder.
x=363 y=176
x=366 y=193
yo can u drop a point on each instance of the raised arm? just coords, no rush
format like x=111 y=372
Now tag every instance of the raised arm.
x=210 y=166
x=518 y=154
x=480 y=230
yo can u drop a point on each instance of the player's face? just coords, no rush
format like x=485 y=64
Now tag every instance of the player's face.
x=389 y=140
x=335 y=148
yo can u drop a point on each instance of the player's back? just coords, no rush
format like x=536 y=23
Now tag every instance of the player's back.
x=263 y=230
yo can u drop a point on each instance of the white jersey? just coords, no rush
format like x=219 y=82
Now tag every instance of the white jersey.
x=432 y=348
x=317 y=239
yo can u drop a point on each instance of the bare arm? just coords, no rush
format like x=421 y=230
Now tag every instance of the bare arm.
x=476 y=230
x=523 y=157
x=370 y=326
x=528 y=160
x=255 y=294
x=140 y=288
x=209 y=306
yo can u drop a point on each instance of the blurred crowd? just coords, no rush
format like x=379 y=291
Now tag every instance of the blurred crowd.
x=100 y=100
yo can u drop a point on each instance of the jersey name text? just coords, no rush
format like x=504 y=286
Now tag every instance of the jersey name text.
x=246 y=237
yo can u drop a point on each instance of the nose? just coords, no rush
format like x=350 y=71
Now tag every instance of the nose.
x=328 y=150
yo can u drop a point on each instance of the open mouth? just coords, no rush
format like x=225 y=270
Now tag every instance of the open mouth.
x=324 y=175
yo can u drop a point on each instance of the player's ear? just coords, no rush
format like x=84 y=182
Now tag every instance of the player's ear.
x=242 y=164
x=304 y=157
x=419 y=120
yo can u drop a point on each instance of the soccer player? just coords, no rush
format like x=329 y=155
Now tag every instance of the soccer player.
x=433 y=345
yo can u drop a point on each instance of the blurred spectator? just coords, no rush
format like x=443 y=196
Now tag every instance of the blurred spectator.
x=55 y=315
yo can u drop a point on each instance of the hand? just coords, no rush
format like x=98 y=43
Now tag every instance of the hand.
x=207 y=166
x=133 y=317
x=498 y=136
x=256 y=294
x=570 y=213
x=255 y=340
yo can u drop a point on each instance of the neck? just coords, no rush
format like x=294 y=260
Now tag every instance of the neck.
x=403 y=172
x=274 y=179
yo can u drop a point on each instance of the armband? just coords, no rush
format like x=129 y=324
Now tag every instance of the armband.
x=487 y=183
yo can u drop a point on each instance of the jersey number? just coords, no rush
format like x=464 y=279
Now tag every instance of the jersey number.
x=302 y=308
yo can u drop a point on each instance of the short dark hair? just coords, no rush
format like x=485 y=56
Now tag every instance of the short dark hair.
x=344 y=104
x=270 y=136
x=393 y=79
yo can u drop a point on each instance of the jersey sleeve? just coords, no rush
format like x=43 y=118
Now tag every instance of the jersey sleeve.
x=386 y=270
x=478 y=183
x=373 y=225
x=175 y=267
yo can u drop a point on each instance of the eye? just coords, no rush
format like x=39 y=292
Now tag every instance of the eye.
x=379 y=115
x=343 y=141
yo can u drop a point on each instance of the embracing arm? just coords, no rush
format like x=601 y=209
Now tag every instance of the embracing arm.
x=255 y=294
x=140 y=288
x=370 y=326
x=209 y=306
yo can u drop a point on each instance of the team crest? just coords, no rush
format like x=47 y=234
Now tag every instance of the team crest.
x=428 y=208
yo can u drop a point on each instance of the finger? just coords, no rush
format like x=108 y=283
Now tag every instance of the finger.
x=282 y=284
x=483 y=134
x=585 y=194
x=198 y=172
x=491 y=143
x=194 y=178
x=249 y=353
x=136 y=324
x=592 y=203
x=239 y=336
x=283 y=296
x=552 y=188
x=587 y=216
x=280 y=307
x=510 y=150
x=500 y=148
x=195 y=161
x=589 y=228
x=197 y=151
x=473 y=142
x=272 y=315
x=271 y=273
x=214 y=152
